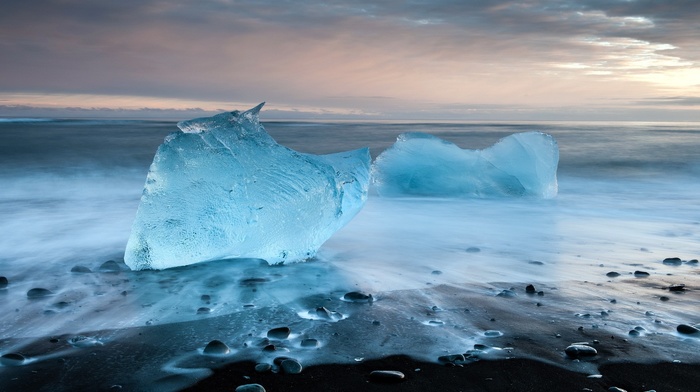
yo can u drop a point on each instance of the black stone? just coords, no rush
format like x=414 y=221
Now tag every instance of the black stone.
x=38 y=293
x=203 y=310
x=309 y=343
x=612 y=274
x=387 y=376
x=3 y=282
x=676 y=287
x=280 y=333
x=12 y=359
x=673 y=261
x=110 y=266
x=530 y=289
x=263 y=367
x=216 y=347
x=291 y=366
x=250 y=388
x=80 y=269
x=664 y=298
x=356 y=296
x=687 y=329
x=473 y=249
x=641 y=274
x=580 y=351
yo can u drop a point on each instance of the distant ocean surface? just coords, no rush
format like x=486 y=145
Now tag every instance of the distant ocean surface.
x=628 y=193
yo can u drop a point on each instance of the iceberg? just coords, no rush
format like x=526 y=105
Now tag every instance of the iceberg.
x=222 y=188
x=419 y=164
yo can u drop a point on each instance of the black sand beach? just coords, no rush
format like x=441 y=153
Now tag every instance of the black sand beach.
x=489 y=337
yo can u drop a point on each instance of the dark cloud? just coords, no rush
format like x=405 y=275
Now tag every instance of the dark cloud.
x=303 y=52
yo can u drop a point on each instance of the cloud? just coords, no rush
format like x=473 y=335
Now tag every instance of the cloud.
x=299 y=54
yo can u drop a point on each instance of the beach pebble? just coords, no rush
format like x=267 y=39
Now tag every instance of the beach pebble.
x=386 y=376
x=80 y=269
x=263 y=367
x=250 y=388
x=273 y=348
x=535 y=262
x=12 y=359
x=506 y=293
x=612 y=274
x=634 y=332
x=437 y=272
x=580 y=351
x=205 y=298
x=110 y=266
x=473 y=249
x=664 y=298
x=616 y=389
x=493 y=333
x=203 y=310
x=356 y=296
x=291 y=366
x=693 y=261
x=530 y=289
x=309 y=343
x=687 y=329
x=279 y=333
x=672 y=261
x=641 y=274
x=38 y=293
x=676 y=287
x=3 y=282
x=216 y=347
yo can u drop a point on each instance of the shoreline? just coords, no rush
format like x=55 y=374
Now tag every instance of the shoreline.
x=515 y=374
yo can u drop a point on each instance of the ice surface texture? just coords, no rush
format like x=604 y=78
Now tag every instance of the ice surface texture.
x=419 y=164
x=223 y=188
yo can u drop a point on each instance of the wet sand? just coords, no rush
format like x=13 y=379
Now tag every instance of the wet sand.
x=501 y=336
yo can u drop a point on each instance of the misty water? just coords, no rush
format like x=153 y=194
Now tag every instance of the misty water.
x=69 y=190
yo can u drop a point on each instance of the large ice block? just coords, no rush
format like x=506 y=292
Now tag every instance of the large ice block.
x=420 y=164
x=223 y=188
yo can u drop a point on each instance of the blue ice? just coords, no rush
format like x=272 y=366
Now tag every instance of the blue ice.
x=223 y=188
x=418 y=164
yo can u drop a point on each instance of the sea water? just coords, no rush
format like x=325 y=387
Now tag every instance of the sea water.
x=69 y=189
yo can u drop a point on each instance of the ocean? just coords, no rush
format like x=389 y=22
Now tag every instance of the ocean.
x=629 y=197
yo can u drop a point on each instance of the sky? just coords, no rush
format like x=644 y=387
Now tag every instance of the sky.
x=632 y=60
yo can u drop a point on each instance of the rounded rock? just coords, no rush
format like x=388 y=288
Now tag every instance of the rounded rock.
x=387 y=376
x=687 y=329
x=576 y=351
x=530 y=289
x=12 y=359
x=641 y=274
x=110 y=266
x=672 y=261
x=676 y=287
x=309 y=343
x=80 y=269
x=216 y=347
x=616 y=389
x=356 y=296
x=263 y=367
x=203 y=310
x=291 y=366
x=3 y=282
x=279 y=333
x=250 y=388
x=39 y=293
x=612 y=274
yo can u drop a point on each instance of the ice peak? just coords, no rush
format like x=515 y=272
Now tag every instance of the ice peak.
x=248 y=120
